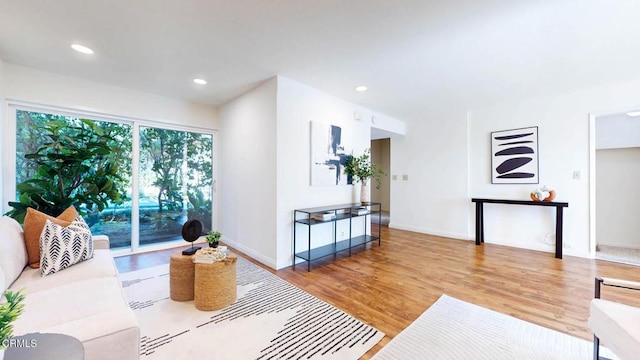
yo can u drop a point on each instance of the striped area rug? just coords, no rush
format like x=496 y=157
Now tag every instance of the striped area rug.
x=272 y=319
x=452 y=329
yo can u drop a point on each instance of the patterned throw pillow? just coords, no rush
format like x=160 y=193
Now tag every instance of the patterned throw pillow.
x=61 y=247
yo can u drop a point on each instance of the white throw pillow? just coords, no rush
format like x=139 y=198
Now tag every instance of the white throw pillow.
x=61 y=247
x=12 y=251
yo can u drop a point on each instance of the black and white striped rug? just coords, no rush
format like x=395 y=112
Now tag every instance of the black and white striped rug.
x=272 y=319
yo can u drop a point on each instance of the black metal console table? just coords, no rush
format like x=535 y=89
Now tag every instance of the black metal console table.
x=480 y=217
x=340 y=213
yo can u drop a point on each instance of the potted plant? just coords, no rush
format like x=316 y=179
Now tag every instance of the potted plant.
x=9 y=312
x=76 y=166
x=213 y=238
x=361 y=169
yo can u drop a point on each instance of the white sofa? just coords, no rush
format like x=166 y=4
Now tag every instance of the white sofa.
x=85 y=301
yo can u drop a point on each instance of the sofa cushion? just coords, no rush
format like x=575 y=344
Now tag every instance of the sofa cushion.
x=13 y=254
x=83 y=309
x=34 y=223
x=101 y=265
x=62 y=247
x=617 y=325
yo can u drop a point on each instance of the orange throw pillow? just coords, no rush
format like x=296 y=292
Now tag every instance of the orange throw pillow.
x=34 y=222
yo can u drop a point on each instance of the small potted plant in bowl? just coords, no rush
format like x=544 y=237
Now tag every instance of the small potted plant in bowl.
x=9 y=312
x=213 y=238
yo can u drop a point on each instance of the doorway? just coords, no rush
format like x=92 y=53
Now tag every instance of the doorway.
x=381 y=157
x=616 y=195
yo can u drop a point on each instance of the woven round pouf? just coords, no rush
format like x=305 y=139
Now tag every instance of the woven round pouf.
x=215 y=284
x=181 y=274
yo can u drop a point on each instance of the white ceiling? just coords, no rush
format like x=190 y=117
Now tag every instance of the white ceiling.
x=414 y=55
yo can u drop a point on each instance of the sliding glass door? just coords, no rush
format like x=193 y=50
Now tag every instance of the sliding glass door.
x=175 y=182
x=171 y=169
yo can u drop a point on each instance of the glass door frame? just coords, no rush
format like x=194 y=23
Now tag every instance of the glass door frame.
x=8 y=148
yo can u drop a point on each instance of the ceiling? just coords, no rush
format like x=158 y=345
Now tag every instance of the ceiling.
x=415 y=56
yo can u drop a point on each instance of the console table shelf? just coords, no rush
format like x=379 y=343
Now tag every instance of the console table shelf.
x=480 y=217
x=346 y=213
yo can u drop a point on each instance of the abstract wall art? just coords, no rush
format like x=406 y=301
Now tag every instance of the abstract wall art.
x=514 y=156
x=329 y=154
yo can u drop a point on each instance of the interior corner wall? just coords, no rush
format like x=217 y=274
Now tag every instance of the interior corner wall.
x=247 y=181
x=298 y=106
x=563 y=132
x=433 y=155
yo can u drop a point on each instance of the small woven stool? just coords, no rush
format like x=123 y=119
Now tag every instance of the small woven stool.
x=181 y=274
x=215 y=284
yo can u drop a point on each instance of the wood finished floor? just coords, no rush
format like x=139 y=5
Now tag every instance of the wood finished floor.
x=391 y=285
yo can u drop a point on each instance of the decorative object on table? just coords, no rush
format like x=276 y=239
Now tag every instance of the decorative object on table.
x=9 y=312
x=361 y=169
x=514 y=156
x=324 y=216
x=329 y=154
x=191 y=231
x=360 y=211
x=213 y=238
x=209 y=256
x=543 y=194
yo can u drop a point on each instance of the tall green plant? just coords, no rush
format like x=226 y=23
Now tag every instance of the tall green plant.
x=361 y=169
x=75 y=166
x=9 y=312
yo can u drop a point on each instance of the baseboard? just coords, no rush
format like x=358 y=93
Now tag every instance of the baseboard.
x=254 y=254
x=453 y=235
x=626 y=246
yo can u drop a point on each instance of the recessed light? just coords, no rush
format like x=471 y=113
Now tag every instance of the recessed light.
x=361 y=88
x=81 y=49
x=200 y=81
x=634 y=113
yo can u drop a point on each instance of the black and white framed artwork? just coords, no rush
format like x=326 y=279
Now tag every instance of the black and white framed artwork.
x=330 y=151
x=514 y=156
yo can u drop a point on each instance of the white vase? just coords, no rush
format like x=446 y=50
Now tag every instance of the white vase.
x=365 y=195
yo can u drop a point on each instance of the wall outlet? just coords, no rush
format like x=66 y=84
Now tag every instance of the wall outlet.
x=576 y=175
x=405 y=177
x=394 y=177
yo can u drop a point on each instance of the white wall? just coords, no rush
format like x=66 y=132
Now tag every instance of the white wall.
x=298 y=105
x=35 y=86
x=433 y=154
x=381 y=156
x=563 y=121
x=248 y=172
x=618 y=191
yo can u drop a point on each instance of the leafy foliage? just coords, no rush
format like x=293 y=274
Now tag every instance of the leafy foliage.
x=9 y=312
x=77 y=164
x=213 y=237
x=362 y=169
